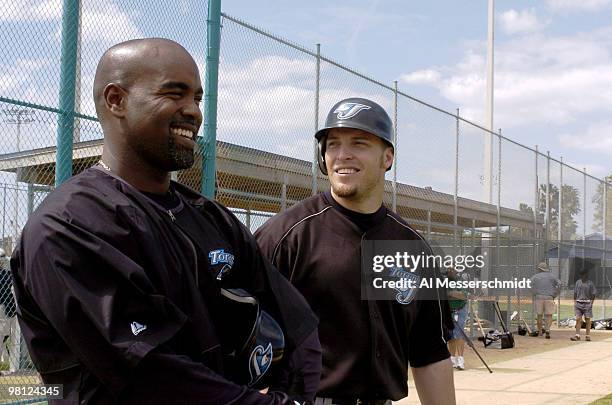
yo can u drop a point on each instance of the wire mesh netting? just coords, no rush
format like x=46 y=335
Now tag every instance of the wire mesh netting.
x=37 y=59
x=425 y=166
x=266 y=122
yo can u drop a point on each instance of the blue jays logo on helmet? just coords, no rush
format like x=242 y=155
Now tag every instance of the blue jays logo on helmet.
x=349 y=110
x=259 y=362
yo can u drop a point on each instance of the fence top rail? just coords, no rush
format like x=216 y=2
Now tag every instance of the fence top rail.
x=41 y=107
x=267 y=34
x=583 y=172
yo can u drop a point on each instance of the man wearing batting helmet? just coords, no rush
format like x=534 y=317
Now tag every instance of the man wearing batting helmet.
x=124 y=279
x=367 y=344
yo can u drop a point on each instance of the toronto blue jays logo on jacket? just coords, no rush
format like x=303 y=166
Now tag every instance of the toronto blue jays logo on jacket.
x=220 y=256
x=405 y=295
x=349 y=110
x=259 y=362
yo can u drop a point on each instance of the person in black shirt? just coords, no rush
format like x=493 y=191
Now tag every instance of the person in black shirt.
x=367 y=344
x=118 y=274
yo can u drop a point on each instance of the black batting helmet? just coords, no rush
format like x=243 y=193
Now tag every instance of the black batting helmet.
x=356 y=113
x=252 y=341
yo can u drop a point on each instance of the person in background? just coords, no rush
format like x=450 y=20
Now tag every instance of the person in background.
x=545 y=288
x=584 y=297
x=457 y=300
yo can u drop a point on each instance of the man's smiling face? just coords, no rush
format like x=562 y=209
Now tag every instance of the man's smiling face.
x=356 y=162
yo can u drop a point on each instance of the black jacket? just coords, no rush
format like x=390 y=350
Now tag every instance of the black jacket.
x=367 y=345
x=98 y=261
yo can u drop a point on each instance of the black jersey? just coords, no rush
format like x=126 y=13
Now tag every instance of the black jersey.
x=117 y=303
x=367 y=345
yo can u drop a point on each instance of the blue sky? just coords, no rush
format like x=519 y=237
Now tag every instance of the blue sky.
x=553 y=60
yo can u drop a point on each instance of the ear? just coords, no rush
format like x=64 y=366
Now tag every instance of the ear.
x=388 y=157
x=115 y=98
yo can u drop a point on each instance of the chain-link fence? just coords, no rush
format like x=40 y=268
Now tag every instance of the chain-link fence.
x=48 y=55
x=273 y=95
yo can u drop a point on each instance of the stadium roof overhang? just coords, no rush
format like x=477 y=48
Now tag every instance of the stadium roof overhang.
x=255 y=180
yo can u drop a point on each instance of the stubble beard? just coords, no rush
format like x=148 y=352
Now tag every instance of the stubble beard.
x=344 y=190
x=180 y=158
x=355 y=191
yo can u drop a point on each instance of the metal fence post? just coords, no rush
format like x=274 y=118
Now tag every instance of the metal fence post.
x=284 y=193
x=560 y=202
x=394 y=196
x=456 y=195
x=30 y=199
x=559 y=232
x=605 y=243
x=4 y=217
x=584 y=241
x=498 y=220
x=315 y=159
x=584 y=193
x=536 y=209
x=547 y=236
x=209 y=141
x=65 y=127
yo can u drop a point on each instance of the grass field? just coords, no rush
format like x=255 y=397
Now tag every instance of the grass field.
x=601 y=309
x=607 y=400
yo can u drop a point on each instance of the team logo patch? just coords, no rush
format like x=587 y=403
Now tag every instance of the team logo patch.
x=406 y=294
x=137 y=328
x=349 y=110
x=259 y=362
x=220 y=256
x=224 y=270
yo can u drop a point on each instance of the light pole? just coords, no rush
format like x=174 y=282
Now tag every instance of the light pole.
x=488 y=141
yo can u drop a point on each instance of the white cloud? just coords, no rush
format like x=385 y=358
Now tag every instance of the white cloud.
x=578 y=5
x=48 y=10
x=268 y=104
x=101 y=20
x=596 y=137
x=538 y=79
x=104 y=21
x=16 y=80
x=29 y=10
x=426 y=76
x=521 y=22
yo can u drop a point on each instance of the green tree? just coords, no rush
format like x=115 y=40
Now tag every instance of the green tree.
x=525 y=208
x=570 y=208
x=598 y=215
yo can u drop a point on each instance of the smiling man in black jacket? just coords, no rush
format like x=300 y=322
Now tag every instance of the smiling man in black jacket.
x=367 y=344
x=118 y=274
